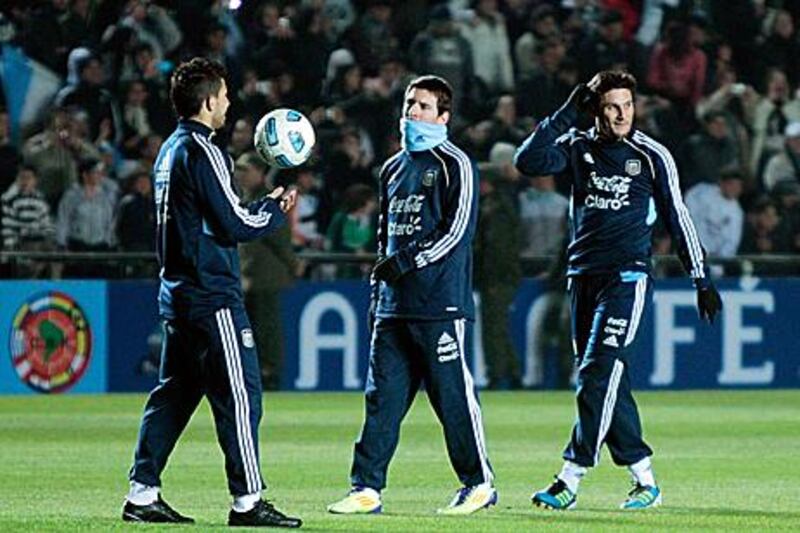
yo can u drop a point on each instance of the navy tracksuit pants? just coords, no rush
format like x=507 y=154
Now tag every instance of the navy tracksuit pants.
x=403 y=355
x=607 y=311
x=213 y=357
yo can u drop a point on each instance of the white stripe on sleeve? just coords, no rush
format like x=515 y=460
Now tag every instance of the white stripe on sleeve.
x=258 y=220
x=461 y=220
x=685 y=221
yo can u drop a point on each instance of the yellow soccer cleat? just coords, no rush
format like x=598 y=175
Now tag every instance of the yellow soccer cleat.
x=470 y=499
x=361 y=500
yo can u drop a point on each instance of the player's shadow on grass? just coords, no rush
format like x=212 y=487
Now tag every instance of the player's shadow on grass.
x=577 y=517
x=719 y=511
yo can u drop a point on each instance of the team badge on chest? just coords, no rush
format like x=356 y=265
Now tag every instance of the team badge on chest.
x=429 y=177
x=633 y=167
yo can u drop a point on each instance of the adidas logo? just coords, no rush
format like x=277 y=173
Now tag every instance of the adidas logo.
x=449 y=357
x=447 y=348
x=611 y=340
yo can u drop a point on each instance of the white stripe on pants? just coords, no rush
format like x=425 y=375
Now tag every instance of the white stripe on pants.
x=474 y=408
x=244 y=433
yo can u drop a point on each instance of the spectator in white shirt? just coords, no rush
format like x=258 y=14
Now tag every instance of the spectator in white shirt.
x=717 y=215
x=785 y=165
x=543 y=214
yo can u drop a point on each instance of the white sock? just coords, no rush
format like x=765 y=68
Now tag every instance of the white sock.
x=242 y=504
x=642 y=472
x=141 y=494
x=571 y=474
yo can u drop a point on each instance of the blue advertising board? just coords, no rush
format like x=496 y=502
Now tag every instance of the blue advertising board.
x=136 y=332
x=327 y=339
x=75 y=336
x=750 y=345
x=53 y=337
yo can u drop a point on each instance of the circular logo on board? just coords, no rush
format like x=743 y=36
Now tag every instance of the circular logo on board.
x=51 y=342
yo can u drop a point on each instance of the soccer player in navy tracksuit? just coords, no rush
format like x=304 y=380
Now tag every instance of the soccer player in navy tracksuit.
x=422 y=306
x=622 y=180
x=208 y=345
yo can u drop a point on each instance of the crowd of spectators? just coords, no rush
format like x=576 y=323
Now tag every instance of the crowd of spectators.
x=718 y=86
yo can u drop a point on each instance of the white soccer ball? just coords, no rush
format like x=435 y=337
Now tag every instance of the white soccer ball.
x=284 y=138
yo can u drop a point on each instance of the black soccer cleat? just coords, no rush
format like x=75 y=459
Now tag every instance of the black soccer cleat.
x=158 y=511
x=263 y=514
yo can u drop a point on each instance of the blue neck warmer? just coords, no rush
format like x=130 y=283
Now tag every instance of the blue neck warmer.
x=416 y=136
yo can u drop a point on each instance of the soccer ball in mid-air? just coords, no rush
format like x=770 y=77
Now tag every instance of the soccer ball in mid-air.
x=284 y=138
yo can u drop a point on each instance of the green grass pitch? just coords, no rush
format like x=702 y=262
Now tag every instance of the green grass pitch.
x=725 y=461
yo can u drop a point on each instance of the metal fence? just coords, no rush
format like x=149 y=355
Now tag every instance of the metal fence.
x=138 y=265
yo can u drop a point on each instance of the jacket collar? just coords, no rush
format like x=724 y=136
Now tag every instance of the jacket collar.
x=594 y=135
x=193 y=125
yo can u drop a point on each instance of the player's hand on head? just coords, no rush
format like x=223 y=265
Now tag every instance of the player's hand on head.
x=594 y=83
x=582 y=97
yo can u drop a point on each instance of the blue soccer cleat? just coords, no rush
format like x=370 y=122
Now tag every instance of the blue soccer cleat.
x=557 y=497
x=642 y=497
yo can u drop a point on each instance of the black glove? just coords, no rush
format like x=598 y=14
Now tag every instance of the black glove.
x=583 y=98
x=709 y=302
x=387 y=269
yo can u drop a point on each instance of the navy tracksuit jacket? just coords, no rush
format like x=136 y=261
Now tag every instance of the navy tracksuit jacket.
x=208 y=345
x=428 y=213
x=618 y=190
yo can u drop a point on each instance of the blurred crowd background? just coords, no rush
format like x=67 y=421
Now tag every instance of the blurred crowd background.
x=718 y=86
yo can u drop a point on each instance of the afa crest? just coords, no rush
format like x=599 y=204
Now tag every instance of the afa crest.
x=633 y=167
x=247 y=338
x=429 y=177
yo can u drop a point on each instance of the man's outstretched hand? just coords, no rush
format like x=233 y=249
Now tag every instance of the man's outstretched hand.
x=285 y=200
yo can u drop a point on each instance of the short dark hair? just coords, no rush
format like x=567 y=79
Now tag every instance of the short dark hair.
x=610 y=16
x=615 y=79
x=356 y=196
x=27 y=167
x=143 y=47
x=87 y=165
x=761 y=204
x=192 y=83
x=542 y=11
x=610 y=80
x=730 y=174
x=439 y=87
x=711 y=116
